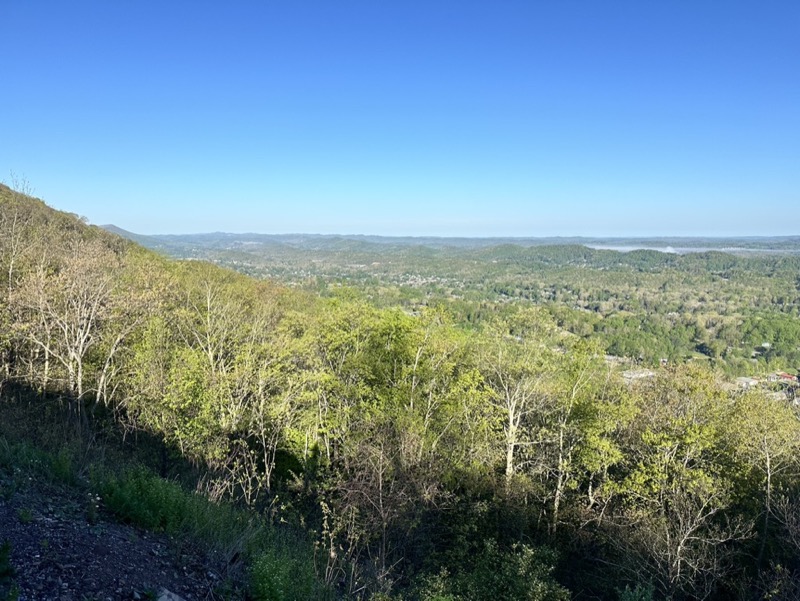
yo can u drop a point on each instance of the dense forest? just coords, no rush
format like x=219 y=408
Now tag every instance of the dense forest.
x=465 y=437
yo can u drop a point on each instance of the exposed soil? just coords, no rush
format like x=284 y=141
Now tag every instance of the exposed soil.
x=63 y=549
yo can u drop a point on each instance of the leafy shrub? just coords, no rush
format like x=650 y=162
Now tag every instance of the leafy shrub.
x=276 y=577
x=522 y=573
x=281 y=574
x=437 y=588
x=62 y=467
x=141 y=498
x=639 y=593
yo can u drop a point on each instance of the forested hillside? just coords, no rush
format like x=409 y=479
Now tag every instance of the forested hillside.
x=643 y=305
x=460 y=449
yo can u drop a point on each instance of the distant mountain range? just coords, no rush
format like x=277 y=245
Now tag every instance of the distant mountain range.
x=181 y=243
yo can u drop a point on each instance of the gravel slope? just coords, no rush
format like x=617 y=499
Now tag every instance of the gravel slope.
x=63 y=549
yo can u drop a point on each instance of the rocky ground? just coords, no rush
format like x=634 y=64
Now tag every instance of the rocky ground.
x=63 y=547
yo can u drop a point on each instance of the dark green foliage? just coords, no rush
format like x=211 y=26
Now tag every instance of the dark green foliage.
x=6 y=569
x=56 y=468
x=25 y=515
x=62 y=467
x=638 y=593
x=8 y=589
x=285 y=574
x=522 y=573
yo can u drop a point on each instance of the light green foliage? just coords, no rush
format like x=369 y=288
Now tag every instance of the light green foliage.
x=392 y=398
x=192 y=400
x=437 y=588
x=559 y=407
x=677 y=486
x=644 y=305
x=780 y=331
x=763 y=435
x=515 y=368
x=587 y=410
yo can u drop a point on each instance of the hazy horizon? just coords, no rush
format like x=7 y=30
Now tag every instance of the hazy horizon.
x=588 y=237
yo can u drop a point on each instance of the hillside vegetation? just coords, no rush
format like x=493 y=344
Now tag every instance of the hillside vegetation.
x=454 y=449
x=643 y=305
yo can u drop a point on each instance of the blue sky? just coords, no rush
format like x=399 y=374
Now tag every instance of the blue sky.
x=409 y=118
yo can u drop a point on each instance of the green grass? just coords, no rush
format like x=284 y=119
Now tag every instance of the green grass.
x=17 y=458
x=137 y=496
x=281 y=573
x=281 y=562
x=276 y=563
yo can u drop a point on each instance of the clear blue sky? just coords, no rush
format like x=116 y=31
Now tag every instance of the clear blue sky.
x=452 y=118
